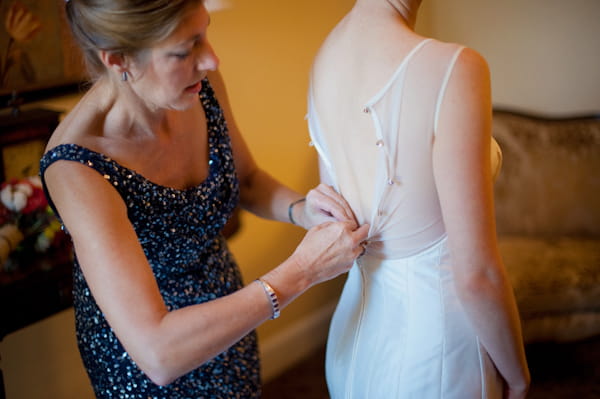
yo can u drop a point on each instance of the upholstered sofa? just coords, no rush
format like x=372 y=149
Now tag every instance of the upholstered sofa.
x=547 y=199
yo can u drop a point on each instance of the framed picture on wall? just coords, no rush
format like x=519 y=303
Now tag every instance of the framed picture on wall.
x=37 y=55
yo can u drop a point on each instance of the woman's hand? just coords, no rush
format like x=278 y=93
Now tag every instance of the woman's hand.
x=323 y=204
x=329 y=249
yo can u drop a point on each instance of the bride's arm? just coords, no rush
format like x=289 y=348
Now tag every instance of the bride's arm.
x=464 y=181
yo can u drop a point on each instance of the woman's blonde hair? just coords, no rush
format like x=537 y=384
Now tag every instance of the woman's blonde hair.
x=127 y=27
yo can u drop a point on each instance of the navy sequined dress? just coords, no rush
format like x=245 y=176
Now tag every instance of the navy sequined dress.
x=179 y=231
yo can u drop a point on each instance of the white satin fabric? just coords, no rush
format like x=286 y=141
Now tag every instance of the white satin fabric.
x=399 y=330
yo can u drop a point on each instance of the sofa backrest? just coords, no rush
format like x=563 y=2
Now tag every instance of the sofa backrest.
x=549 y=184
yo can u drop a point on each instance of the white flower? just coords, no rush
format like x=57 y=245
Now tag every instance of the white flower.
x=24 y=188
x=14 y=197
x=6 y=197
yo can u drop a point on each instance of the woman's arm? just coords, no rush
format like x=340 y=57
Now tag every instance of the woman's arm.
x=463 y=178
x=166 y=344
x=264 y=196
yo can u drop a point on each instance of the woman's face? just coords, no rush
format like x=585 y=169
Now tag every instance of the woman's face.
x=171 y=72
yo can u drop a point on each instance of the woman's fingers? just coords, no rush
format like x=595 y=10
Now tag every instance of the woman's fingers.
x=325 y=204
x=329 y=249
x=340 y=209
x=360 y=235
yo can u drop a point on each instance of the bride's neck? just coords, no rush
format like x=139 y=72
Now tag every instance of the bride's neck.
x=404 y=10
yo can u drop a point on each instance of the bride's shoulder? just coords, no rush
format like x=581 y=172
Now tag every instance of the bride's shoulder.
x=465 y=62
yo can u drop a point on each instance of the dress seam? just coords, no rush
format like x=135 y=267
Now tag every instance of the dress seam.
x=350 y=377
x=443 y=318
x=481 y=369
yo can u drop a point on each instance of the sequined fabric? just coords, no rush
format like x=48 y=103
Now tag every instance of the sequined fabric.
x=179 y=231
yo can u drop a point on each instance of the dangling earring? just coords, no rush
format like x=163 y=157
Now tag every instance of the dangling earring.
x=124 y=76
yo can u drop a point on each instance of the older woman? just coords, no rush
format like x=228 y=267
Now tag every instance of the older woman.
x=144 y=173
x=402 y=124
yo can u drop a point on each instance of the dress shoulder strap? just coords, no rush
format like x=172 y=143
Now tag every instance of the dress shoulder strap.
x=76 y=153
x=442 y=91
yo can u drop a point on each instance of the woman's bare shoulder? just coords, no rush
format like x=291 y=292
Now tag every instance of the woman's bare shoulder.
x=84 y=122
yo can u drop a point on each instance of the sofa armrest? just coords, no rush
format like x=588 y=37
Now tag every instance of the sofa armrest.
x=557 y=285
x=550 y=178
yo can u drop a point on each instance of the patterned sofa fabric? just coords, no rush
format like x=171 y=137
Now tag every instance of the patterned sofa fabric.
x=547 y=200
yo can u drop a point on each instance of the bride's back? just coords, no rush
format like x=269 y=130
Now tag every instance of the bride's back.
x=375 y=87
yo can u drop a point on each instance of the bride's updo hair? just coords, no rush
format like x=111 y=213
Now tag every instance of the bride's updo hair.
x=127 y=27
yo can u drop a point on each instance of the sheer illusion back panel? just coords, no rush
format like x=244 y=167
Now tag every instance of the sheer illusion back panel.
x=379 y=154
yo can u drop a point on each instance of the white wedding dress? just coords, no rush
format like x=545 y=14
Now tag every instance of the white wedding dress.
x=399 y=330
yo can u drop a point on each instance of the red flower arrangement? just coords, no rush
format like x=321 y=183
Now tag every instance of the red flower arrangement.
x=27 y=223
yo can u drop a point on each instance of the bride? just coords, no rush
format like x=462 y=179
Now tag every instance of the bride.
x=402 y=124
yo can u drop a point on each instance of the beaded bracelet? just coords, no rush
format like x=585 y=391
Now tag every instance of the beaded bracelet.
x=291 y=207
x=272 y=296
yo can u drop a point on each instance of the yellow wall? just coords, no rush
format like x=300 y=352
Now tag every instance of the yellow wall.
x=266 y=48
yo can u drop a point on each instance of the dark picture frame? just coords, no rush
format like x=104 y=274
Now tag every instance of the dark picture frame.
x=38 y=58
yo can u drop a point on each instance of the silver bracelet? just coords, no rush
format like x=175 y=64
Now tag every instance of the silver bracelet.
x=272 y=296
x=291 y=208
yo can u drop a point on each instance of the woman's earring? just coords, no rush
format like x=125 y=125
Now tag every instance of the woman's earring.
x=124 y=76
